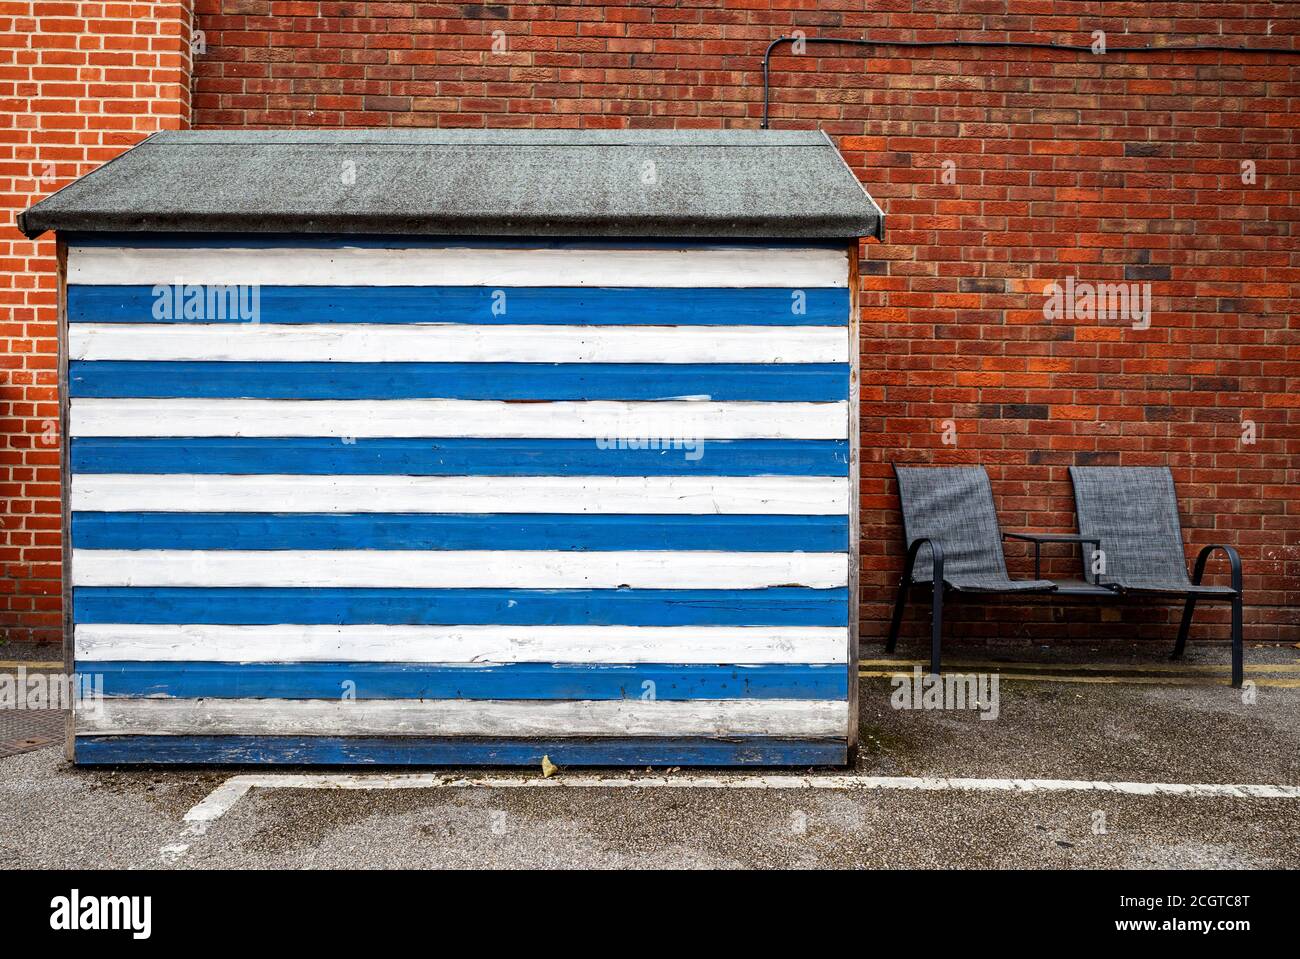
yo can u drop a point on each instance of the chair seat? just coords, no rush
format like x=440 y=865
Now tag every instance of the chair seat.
x=997 y=584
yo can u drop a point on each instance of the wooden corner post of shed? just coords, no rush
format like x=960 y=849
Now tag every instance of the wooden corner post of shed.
x=855 y=488
x=65 y=511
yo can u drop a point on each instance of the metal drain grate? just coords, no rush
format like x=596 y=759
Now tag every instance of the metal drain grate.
x=23 y=730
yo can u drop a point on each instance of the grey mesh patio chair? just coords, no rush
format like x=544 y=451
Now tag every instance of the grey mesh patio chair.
x=1133 y=511
x=953 y=543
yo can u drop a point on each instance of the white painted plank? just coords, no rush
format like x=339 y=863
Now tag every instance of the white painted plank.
x=593 y=420
x=182 y=492
x=456 y=343
x=513 y=718
x=457 y=569
x=369 y=266
x=748 y=645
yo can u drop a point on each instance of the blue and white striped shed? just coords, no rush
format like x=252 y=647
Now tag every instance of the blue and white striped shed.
x=431 y=447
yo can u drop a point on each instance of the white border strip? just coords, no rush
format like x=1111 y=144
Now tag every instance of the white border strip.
x=287 y=493
x=457 y=569
x=748 y=645
x=587 y=419
x=374 y=266
x=225 y=796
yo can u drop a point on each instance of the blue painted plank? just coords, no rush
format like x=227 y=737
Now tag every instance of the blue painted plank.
x=195 y=680
x=778 y=606
x=626 y=306
x=560 y=531
x=418 y=751
x=720 y=382
x=453 y=457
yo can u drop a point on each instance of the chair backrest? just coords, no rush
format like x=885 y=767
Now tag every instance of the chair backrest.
x=952 y=505
x=1134 y=510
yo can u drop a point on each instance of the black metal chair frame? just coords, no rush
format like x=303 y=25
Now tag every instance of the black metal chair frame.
x=1085 y=591
x=1190 y=600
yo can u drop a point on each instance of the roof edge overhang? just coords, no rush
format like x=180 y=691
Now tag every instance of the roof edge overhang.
x=32 y=224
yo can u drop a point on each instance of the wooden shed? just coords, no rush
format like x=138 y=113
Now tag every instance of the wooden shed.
x=430 y=447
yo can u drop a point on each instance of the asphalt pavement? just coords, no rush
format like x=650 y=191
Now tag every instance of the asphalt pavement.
x=1061 y=715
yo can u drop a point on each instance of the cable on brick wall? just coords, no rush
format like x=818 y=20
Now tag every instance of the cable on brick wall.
x=1016 y=44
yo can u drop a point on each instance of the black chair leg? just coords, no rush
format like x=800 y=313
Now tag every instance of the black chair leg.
x=1185 y=627
x=936 y=626
x=897 y=621
x=1238 y=668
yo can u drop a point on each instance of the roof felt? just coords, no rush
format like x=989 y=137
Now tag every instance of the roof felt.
x=608 y=183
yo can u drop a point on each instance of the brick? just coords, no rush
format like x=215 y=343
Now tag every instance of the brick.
x=80 y=107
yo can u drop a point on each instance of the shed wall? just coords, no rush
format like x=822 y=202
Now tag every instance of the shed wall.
x=395 y=502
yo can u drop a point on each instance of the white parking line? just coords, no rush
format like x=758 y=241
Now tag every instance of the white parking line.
x=217 y=803
x=220 y=800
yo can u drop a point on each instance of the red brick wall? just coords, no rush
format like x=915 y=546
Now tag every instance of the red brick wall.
x=79 y=83
x=1122 y=167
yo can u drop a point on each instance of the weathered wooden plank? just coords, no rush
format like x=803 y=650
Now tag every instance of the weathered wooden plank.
x=623 y=306
x=730 y=267
x=425 y=751
x=458 y=569
x=604 y=420
x=500 y=718
x=450 y=607
x=756 y=495
x=479 y=681
x=111 y=642
x=544 y=531
x=456 y=343
x=317 y=455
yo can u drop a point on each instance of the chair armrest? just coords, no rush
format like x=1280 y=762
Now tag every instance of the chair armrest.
x=936 y=553
x=1052 y=537
x=1234 y=562
x=1038 y=539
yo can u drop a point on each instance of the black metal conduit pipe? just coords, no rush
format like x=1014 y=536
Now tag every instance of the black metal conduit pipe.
x=1020 y=44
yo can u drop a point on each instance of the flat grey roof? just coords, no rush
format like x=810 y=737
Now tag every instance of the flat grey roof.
x=608 y=183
